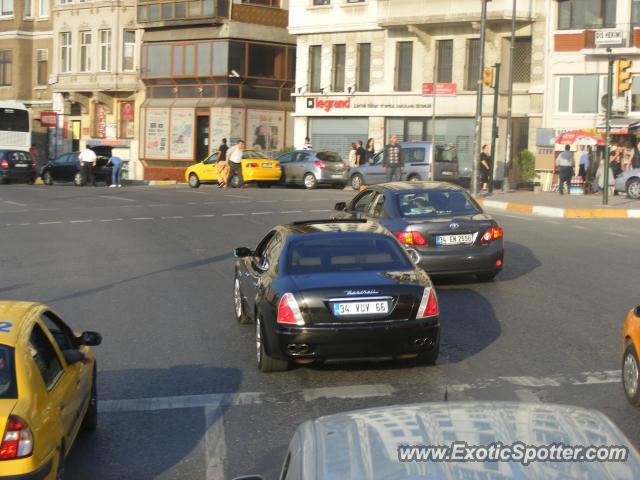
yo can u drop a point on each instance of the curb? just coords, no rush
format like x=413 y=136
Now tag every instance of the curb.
x=555 y=212
x=162 y=182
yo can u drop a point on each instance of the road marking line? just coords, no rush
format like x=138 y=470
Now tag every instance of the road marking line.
x=579 y=227
x=261 y=213
x=47 y=223
x=124 y=199
x=289 y=200
x=204 y=216
x=171 y=218
x=240 y=201
x=192 y=203
x=209 y=203
x=633 y=213
x=15 y=203
x=159 y=205
x=525 y=395
x=350 y=391
x=548 y=211
x=24 y=224
x=266 y=201
x=237 y=196
x=215 y=444
x=111 y=219
x=232 y=214
x=553 y=221
x=291 y=211
x=614 y=234
x=80 y=221
x=323 y=210
x=142 y=218
x=527 y=219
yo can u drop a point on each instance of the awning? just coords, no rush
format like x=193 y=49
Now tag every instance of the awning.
x=216 y=102
x=578 y=137
x=619 y=128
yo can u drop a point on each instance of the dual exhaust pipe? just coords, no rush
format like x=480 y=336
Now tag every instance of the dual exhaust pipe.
x=423 y=342
x=297 y=348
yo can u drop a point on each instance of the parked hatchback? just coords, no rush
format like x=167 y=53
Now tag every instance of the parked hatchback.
x=16 y=165
x=309 y=168
x=629 y=182
x=66 y=168
x=417 y=158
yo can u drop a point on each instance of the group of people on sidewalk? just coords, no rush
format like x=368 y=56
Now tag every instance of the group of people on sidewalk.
x=619 y=161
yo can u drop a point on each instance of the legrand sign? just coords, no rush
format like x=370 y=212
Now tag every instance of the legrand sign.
x=366 y=105
x=609 y=37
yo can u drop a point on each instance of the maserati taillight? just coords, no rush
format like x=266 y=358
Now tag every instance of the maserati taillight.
x=288 y=311
x=429 y=304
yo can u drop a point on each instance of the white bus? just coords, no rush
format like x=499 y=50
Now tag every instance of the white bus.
x=15 y=126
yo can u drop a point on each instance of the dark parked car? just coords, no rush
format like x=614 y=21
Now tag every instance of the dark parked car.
x=16 y=165
x=66 y=168
x=309 y=168
x=333 y=290
x=446 y=228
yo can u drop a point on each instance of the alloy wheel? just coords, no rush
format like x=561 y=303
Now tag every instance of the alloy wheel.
x=259 y=340
x=309 y=180
x=633 y=190
x=630 y=374
x=237 y=299
x=356 y=182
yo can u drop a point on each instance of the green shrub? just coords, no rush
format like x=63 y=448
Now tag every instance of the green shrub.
x=526 y=163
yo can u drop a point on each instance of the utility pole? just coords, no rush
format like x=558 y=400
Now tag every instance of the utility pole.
x=478 y=130
x=494 y=125
x=507 y=150
x=607 y=128
x=434 y=152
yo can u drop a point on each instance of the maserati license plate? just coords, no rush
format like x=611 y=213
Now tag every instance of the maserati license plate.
x=360 y=308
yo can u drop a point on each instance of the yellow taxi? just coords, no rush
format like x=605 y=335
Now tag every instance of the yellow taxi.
x=47 y=390
x=630 y=348
x=256 y=167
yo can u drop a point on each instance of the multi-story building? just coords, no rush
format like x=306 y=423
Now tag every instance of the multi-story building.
x=96 y=86
x=577 y=64
x=25 y=52
x=213 y=69
x=362 y=64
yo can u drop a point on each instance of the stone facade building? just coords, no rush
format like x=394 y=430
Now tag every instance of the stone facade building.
x=362 y=65
x=25 y=60
x=213 y=69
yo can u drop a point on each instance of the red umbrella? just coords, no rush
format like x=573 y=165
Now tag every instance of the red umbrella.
x=578 y=137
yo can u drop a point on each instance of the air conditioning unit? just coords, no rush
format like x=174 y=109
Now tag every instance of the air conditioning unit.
x=619 y=105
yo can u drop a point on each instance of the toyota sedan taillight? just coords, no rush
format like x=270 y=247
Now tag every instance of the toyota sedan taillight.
x=17 y=441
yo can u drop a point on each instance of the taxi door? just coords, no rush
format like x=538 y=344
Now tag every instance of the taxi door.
x=60 y=384
x=209 y=168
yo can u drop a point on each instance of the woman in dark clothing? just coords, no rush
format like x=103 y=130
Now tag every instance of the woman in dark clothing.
x=485 y=167
x=371 y=149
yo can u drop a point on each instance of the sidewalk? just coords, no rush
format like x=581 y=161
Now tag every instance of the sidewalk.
x=550 y=204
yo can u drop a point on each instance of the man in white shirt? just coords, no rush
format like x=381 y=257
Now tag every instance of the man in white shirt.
x=87 y=163
x=307 y=144
x=234 y=156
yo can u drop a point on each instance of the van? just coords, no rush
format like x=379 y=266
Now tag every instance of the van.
x=417 y=158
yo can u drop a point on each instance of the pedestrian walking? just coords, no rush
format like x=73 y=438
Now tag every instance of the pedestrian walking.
x=361 y=155
x=352 y=155
x=87 y=163
x=222 y=150
x=393 y=163
x=635 y=158
x=116 y=171
x=485 y=167
x=600 y=177
x=564 y=164
x=584 y=162
x=614 y=163
x=235 y=164
x=371 y=150
x=307 y=144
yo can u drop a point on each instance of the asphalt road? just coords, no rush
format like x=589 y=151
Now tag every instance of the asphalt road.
x=180 y=395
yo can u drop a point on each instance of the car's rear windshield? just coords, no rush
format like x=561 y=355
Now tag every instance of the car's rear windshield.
x=8 y=388
x=447 y=154
x=253 y=154
x=436 y=203
x=329 y=157
x=343 y=253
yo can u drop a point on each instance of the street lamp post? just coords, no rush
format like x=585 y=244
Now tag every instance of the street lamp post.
x=507 y=149
x=478 y=130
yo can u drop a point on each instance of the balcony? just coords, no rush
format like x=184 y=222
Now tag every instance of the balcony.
x=159 y=14
x=584 y=40
x=392 y=13
x=269 y=16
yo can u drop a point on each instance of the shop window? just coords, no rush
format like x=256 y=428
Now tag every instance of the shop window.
x=267 y=61
x=42 y=66
x=579 y=14
x=5 y=67
x=445 y=61
x=339 y=58
x=404 y=61
x=127 y=124
x=364 y=67
x=315 y=68
x=472 y=65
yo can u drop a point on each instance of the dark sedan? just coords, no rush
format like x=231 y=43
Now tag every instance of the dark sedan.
x=16 y=165
x=444 y=226
x=335 y=290
x=66 y=168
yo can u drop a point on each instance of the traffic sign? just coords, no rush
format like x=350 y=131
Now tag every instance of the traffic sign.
x=441 y=89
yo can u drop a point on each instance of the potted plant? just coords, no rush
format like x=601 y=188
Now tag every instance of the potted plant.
x=525 y=162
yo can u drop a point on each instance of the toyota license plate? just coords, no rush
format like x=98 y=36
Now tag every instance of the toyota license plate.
x=22 y=165
x=464 y=239
x=360 y=308
x=267 y=165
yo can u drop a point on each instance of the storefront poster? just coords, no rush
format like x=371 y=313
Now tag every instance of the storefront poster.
x=237 y=126
x=156 y=135
x=265 y=130
x=182 y=123
x=220 y=125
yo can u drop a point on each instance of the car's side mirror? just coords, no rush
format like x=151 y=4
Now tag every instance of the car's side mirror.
x=242 y=252
x=340 y=206
x=91 y=339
